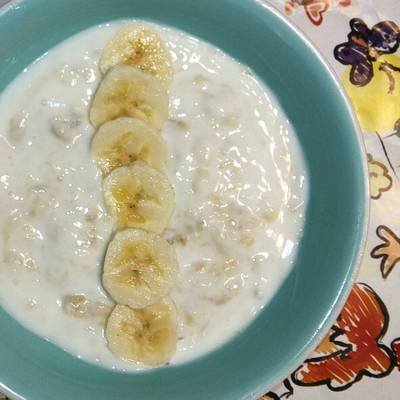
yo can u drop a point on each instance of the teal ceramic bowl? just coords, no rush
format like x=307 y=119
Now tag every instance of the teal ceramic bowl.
x=310 y=298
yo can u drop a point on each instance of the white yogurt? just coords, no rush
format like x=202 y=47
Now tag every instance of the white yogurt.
x=239 y=179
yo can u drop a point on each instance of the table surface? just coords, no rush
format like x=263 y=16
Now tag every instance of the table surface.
x=360 y=357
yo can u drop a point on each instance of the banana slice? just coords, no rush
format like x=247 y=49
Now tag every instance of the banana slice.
x=139 y=196
x=125 y=140
x=148 y=335
x=129 y=92
x=140 y=268
x=140 y=46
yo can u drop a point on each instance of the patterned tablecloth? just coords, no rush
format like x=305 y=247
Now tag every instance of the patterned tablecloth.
x=360 y=356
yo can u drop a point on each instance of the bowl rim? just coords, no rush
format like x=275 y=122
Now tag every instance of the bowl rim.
x=7 y=5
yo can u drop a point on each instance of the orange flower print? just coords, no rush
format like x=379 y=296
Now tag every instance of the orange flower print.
x=353 y=348
x=315 y=9
x=389 y=250
x=395 y=345
x=379 y=178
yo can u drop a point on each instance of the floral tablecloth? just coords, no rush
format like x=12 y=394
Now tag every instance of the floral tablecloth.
x=360 y=356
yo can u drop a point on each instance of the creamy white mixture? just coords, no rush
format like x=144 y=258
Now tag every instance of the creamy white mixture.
x=240 y=186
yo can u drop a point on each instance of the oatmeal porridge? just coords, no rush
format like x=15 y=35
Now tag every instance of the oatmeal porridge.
x=234 y=163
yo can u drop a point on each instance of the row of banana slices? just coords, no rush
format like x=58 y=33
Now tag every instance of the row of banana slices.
x=129 y=108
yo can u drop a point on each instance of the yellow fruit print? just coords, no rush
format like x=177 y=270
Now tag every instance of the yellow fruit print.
x=377 y=109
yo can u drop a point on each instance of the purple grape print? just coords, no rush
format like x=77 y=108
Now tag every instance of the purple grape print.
x=364 y=47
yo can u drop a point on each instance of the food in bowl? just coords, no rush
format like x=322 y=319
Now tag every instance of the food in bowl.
x=235 y=166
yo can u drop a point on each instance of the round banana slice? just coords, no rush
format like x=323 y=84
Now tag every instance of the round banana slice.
x=140 y=268
x=139 y=196
x=129 y=92
x=141 y=46
x=125 y=140
x=148 y=335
